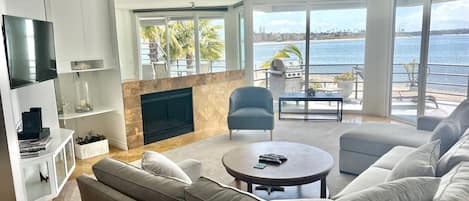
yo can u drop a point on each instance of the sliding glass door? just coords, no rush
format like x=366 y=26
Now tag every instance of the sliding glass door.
x=279 y=51
x=332 y=63
x=448 y=57
x=406 y=61
x=337 y=52
x=431 y=57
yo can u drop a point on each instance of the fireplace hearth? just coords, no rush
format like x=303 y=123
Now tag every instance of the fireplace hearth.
x=167 y=114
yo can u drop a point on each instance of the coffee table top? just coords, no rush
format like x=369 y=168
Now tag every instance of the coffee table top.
x=305 y=164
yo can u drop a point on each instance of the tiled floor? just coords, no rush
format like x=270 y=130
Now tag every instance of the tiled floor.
x=84 y=166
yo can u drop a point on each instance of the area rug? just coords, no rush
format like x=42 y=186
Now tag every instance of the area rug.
x=324 y=135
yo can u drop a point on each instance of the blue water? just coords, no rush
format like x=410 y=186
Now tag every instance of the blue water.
x=443 y=49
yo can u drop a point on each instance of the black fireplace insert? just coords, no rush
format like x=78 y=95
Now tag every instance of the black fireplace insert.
x=167 y=114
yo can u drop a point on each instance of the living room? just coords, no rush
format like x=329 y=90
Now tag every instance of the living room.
x=234 y=100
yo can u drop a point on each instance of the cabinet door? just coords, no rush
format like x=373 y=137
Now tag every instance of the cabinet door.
x=60 y=169
x=98 y=33
x=68 y=31
x=36 y=180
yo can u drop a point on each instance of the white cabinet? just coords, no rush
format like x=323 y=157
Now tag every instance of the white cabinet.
x=82 y=32
x=26 y=8
x=56 y=163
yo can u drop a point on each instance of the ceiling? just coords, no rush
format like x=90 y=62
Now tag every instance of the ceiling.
x=159 y=4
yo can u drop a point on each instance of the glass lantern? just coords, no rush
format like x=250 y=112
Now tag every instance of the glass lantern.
x=83 y=101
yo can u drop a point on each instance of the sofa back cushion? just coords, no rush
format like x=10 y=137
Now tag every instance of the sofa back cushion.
x=448 y=132
x=419 y=163
x=454 y=185
x=459 y=152
x=407 y=189
x=137 y=183
x=206 y=189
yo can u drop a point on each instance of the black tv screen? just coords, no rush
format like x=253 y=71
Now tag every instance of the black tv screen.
x=30 y=50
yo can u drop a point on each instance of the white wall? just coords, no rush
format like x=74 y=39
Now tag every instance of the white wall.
x=37 y=95
x=378 y=57
x=9 y=141
x=127 y=44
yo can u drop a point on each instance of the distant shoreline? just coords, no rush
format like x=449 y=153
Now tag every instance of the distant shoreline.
x=327 y=40
x=299 y=41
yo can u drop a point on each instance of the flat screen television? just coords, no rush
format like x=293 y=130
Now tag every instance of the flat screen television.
x=30 y=51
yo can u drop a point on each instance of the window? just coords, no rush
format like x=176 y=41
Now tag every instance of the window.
x=180 y=45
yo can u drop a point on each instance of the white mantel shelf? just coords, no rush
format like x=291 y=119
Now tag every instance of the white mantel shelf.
x=95 y=111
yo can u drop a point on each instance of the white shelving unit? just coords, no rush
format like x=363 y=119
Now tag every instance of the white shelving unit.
x=85 y=38
x=95 y=111
x=57 y=163
x=84 y=71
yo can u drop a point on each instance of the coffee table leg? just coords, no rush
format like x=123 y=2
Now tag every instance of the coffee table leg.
x=323 y=188
x=249 y=187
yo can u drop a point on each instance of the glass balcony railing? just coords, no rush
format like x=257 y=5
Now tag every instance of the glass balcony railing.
x=446 y=86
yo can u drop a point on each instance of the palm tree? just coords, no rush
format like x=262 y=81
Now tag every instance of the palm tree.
x=287 y=52
x=181 y=40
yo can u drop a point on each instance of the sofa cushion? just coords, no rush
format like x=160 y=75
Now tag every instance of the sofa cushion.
x=459 y=152
x=406 y=189
x=370 y=177
x=454 y=185
x=251 y=118
x=448 y=132
x=137 y=183
x=390 y=159
x=205 y=189
x=419 y=163
x=378 y=138
x=158 y=164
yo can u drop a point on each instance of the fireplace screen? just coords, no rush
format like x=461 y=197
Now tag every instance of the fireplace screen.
x=167 y=114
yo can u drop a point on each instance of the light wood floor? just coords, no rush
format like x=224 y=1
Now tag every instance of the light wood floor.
x=84 y=166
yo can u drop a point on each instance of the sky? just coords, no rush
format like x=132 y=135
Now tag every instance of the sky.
x=447 y=15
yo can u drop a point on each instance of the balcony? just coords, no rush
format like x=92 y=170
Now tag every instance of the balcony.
x=447 y=86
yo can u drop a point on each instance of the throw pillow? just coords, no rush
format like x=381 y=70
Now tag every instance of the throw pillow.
x=419 y=163
x=459 y=152
x=206 y=189
x=158 y=164
x=407 y=189
x=448 y=132
x=454 y=185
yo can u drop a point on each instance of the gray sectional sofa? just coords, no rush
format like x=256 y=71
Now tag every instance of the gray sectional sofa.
x=371 y=151
x=364 y=145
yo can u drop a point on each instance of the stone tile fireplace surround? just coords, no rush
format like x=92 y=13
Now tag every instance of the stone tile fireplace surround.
x=210 y=100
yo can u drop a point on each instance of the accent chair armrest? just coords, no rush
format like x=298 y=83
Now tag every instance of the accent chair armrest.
x=192 y=167
x=428 y=123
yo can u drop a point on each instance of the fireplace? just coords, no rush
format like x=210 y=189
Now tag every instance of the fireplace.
x=167 y=114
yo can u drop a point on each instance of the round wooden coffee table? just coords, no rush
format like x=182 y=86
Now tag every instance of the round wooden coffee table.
x=306 y=164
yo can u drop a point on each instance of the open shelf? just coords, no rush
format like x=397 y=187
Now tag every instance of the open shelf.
x=87 y=70
x=95 y=111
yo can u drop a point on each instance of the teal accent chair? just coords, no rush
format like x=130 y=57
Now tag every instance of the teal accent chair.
x=251 y=108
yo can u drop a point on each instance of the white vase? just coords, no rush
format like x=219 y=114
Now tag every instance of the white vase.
x=92 y=149
x=347 y=88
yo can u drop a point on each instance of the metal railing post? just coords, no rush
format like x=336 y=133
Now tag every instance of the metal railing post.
x=266 y=78
x=356 y=83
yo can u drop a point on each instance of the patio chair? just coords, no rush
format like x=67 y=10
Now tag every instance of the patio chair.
x=251 y=108
x=360 y=72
